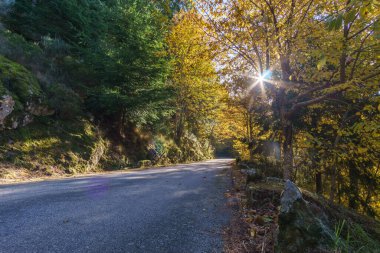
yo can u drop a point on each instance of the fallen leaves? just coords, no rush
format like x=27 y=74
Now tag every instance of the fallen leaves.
x=253 y=229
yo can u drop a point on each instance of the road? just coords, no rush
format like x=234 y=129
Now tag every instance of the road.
x=173 y=209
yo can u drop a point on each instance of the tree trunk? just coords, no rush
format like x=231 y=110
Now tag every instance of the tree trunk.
x=179 y=126
x=354 y=187
x=318 y=182
x=288 y=150
x=334 y=171
x=121 y=124
x=287 y=126
x=333 y=177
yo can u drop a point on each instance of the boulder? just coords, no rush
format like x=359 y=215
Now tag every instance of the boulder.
x=6 y=108
x=39 y=109
x=21 y=96
x=290 y=196
x=300 y=229
x=253 y=175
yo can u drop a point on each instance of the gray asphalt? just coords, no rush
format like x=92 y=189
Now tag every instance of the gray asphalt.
x=172 y=209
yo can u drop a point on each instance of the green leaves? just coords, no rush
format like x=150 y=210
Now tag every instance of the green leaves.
x=350 y=16
x=335 y=23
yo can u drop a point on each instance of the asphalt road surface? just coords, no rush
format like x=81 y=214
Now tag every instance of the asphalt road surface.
x=173 y=209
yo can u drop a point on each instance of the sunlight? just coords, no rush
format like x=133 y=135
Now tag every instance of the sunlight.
x=261 y=79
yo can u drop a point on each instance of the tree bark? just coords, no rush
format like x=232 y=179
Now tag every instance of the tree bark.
x=334 y=171
x=318 y=183
x=180 y=124
x=288 y=150
x=121 y=124
x=286 y=122
x=354 y=187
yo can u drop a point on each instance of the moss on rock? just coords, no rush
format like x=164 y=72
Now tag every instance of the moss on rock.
x=18 y=82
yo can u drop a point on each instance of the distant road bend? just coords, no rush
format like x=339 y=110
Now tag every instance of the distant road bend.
x=173 y=209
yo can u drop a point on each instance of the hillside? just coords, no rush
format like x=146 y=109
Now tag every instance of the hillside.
x=77 y=98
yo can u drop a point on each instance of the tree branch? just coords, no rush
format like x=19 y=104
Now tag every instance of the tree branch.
x=360 y=31
x=299 y=105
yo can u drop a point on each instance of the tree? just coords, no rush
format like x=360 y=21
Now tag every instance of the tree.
x=199 y=95
x=288 y=39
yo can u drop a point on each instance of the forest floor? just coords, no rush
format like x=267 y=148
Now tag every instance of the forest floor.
x=250 y=230
x=254 y=226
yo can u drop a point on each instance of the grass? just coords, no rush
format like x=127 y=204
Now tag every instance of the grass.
x=353 y=238
x=52 y=145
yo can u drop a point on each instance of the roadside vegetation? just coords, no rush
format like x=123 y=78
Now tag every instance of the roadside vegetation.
x=106 y=85
x=288 y=87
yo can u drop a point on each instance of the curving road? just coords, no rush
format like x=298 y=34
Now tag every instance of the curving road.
x=173 y=209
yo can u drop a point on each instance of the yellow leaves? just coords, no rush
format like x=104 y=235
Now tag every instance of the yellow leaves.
x=200 y=97
x=242 y=149
x=364 y=10
x=362 y=150
x=253 y=232
x=369 y=108
x=321 y=63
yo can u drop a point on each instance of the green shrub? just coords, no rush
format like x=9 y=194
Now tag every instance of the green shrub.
x=16 y=48
x=66 y=103
x=174 y=154
x=144 y=163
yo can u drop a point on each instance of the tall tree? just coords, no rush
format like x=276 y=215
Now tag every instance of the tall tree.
x=288 y=39
x=199 y=94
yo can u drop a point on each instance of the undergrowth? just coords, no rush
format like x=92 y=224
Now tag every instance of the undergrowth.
x=53 y=146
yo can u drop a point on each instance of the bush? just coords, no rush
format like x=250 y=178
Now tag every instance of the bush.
x=16 y=48
x=144 y=163
x=164 y=150
x=194 y=149
x=66 y=103
x=174 y=154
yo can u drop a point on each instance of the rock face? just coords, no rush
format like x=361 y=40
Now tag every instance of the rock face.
x=300 y=229
x=39 y=109
x=290 y=195
x=6 y=108
x=21 y=96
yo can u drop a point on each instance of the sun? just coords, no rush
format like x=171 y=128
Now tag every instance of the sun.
x=261 y=78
